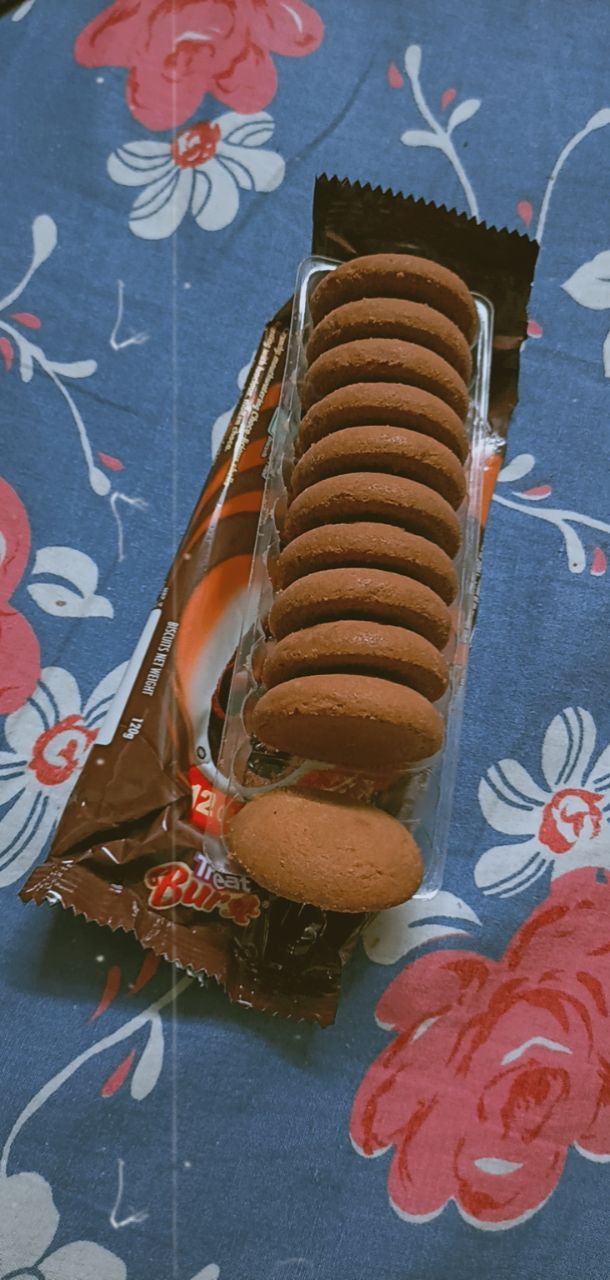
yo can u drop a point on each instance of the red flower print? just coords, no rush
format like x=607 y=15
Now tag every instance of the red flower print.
x=61 y=750
x=499 y=1066
x=19 y=648
x=179 y=50
x=48 y=740
x=567 y=816
x=557 y=826
x=195 y=144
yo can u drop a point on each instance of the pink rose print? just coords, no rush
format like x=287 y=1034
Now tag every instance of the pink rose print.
x=19 y=648
x=559 y=825
x=499 y=1066
x=179 y=50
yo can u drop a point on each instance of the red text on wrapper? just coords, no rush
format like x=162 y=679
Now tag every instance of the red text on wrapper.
x=175 y=884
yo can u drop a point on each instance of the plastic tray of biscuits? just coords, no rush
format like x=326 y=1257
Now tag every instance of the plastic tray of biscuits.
x=349 y=675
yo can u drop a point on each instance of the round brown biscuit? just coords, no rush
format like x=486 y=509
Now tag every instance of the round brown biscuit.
x=332 y=854
x=361 y=647
x=386 y=404
x=374 y=495
x=367 y=544
x=384 y=360
x=395 y=450
x=358 y=722
x=397 y=275
x=375 y=594
x=393 y=318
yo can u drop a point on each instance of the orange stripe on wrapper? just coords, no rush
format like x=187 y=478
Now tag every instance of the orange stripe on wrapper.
x=208 y=602
x=244 y=503
x=251 y=457
x=491 y=471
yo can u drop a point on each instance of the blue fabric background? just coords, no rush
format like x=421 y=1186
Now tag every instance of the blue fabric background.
x=255 y=1164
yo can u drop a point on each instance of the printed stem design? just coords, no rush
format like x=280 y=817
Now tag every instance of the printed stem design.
x=135 y=339
x=440 y=137
x=44 y=240
x=131 y=1219
x=597 y=121
x=563 y=521
x=51 y=1087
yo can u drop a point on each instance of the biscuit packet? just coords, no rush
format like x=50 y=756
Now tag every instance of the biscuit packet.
x=139 y=846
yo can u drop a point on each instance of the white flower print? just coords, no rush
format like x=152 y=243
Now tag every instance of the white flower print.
x=28 y=1225
x=565 y=822
x=49 y=739
x=202 y=168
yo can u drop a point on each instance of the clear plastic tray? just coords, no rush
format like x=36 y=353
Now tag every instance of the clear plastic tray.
x=421 y=798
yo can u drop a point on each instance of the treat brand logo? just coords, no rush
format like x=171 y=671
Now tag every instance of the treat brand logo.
x=209 y=804
x=175 y=884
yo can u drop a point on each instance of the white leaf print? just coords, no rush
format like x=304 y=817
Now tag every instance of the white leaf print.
x=61 y=602
x=219 y=430
x=599 y=120
x=78 y=569
x=23 y=10
x=590 y=284
x=577 y=558
x=413 y=60
x=606 y=351
x=464 y=111
x=149 y=1066
x=211 y=1272
x=75 y=369
x=26 y=363
x=69 y=563
x=394 y=933
x=420 y=138
x=517 y=468
x=44 y=238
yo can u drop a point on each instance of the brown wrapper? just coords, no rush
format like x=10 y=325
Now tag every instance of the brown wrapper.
x=128 y=852
x=350 y=219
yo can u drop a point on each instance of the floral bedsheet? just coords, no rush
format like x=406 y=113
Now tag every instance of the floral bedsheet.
x=158 y=159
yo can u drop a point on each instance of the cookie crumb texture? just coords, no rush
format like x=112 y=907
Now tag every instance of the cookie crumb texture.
x=393 y=318
x=397 y=275
x=385 y=360
x=334 y=855
x=373 y=594
x=368 y=535
x=357 y=721
x=369 y=544
x=390 y=404
x=389 y=449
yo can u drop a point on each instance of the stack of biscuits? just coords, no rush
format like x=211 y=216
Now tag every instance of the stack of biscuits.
x=366 y=570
